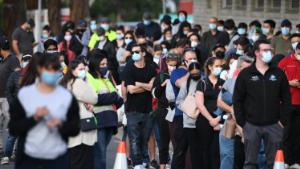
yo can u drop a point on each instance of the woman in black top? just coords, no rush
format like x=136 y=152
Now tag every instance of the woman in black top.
x=207 y=123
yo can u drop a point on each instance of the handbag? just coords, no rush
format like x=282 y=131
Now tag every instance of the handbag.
x=189 y=107
x=89 y=124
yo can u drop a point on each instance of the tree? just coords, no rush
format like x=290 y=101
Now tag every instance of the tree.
x=79 y=9
x=15 y=14
x=54 y=15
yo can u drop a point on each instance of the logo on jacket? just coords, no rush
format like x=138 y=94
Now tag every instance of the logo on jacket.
x=254 y=78
x=273 y=78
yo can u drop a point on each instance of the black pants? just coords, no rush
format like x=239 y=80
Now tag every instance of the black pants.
x=239 y=153
x=193 y=144
x=81 y=157
x=181 y=147
x=209 y=156
x=164 y=134
x=292 y=137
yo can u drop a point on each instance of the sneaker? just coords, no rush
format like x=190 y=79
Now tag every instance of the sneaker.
x=154 y=164
x=145 y=165
x=129 y=163
x=295 y=166
x=4 y=161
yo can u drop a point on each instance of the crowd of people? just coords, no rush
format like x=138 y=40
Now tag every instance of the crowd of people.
x=227 y=98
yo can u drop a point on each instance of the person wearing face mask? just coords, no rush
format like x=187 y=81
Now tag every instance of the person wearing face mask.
x=123 y=53
x=281 y=43
x=44 y=121
x=220 y=25
x=99 y=78
x=177 y=79
x=8 y=64
x=240 y=32
x=268 y=28
x=207 y=124
x=213 y=36
x=70 y=46
x=157 y=55
x=183 y=31
x=165 y=24
x=201 y=51
x=104 y=44
x=83 y=34
x=229 y=25
x=46 y=34
x=181 y=18
x=120 y=36
x=189 y=124
x=81 y=146
x=139 y=76
x=151 y=28
x=261 y=103
x=291 y=66
x=23 y=39
x=11 y=92
x=242 y=47
x=159 y=92
x=256 y=35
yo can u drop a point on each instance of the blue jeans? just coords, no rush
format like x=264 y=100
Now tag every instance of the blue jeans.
x=151 y=125
x=138 y=136
x=9 y=146
x=104 y=137
x=226 y=152
x=261 y=160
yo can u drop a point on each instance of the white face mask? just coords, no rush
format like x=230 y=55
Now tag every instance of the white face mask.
x=267 y=56
x=294 y=45
x=194 y=44
x=24 y=64
x=63 y=64
x=68 y=38
x=297 y=57
x=101 y=38
x=171 y=68
x=254 y=37
x=156 y=59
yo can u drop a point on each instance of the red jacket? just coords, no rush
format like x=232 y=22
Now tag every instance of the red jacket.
x=291 y=66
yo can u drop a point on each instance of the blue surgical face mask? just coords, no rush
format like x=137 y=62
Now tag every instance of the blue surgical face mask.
x=105 y=26
x=285 y=30
x=217 y=71
x=265 y=31
x=267 y=57
x=127 y=41
x=294 y=45
x=93 y=27
x=241 y=31
x=239 y=51
x=212 y=26
x=146 y=22
x=119 y=36
x=81 y=74
x=136 y=57
x=220 y=28
x=50 y=79
x=181 y=18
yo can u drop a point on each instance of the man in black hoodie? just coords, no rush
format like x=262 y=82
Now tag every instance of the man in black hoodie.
x=261 y=105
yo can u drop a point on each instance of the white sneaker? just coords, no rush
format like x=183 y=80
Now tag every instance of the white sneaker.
x=295 y=166
x=139 y=167
x=4 y=161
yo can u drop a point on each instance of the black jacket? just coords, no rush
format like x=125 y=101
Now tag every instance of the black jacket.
x=12 y=86
x=261 y=99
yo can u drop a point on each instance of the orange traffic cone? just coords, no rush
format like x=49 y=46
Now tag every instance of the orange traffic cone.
x=279 y=160
x=121 y=159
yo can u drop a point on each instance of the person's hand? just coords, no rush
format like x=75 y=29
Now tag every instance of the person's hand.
x=165 y=83
x=218 y=127
x=294 y=83
x=214 y=121
x=55 y=122
x=40 y=113
x=89 y=107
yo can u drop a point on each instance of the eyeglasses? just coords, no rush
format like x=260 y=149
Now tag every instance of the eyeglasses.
x=137 y=51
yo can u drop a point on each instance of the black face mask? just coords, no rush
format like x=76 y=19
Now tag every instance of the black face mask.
x=195 y=77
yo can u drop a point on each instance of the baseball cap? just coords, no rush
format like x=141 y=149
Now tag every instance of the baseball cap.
x=4 y=43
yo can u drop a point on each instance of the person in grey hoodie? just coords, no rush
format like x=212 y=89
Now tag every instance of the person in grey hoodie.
x=189 y=124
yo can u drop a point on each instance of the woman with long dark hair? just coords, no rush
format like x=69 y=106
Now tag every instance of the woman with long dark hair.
x=207 y=124
x=43 y=117
x=81 y=146
x=99 y=78
x=70 y=46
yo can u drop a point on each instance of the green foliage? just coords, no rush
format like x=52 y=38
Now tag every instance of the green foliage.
x=125 y=10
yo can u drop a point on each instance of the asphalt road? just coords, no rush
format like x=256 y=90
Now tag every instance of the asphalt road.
x=111 y=152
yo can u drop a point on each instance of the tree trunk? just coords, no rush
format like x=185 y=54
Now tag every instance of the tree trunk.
x=79 y=9
x=54 y=15
x=14 y=14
